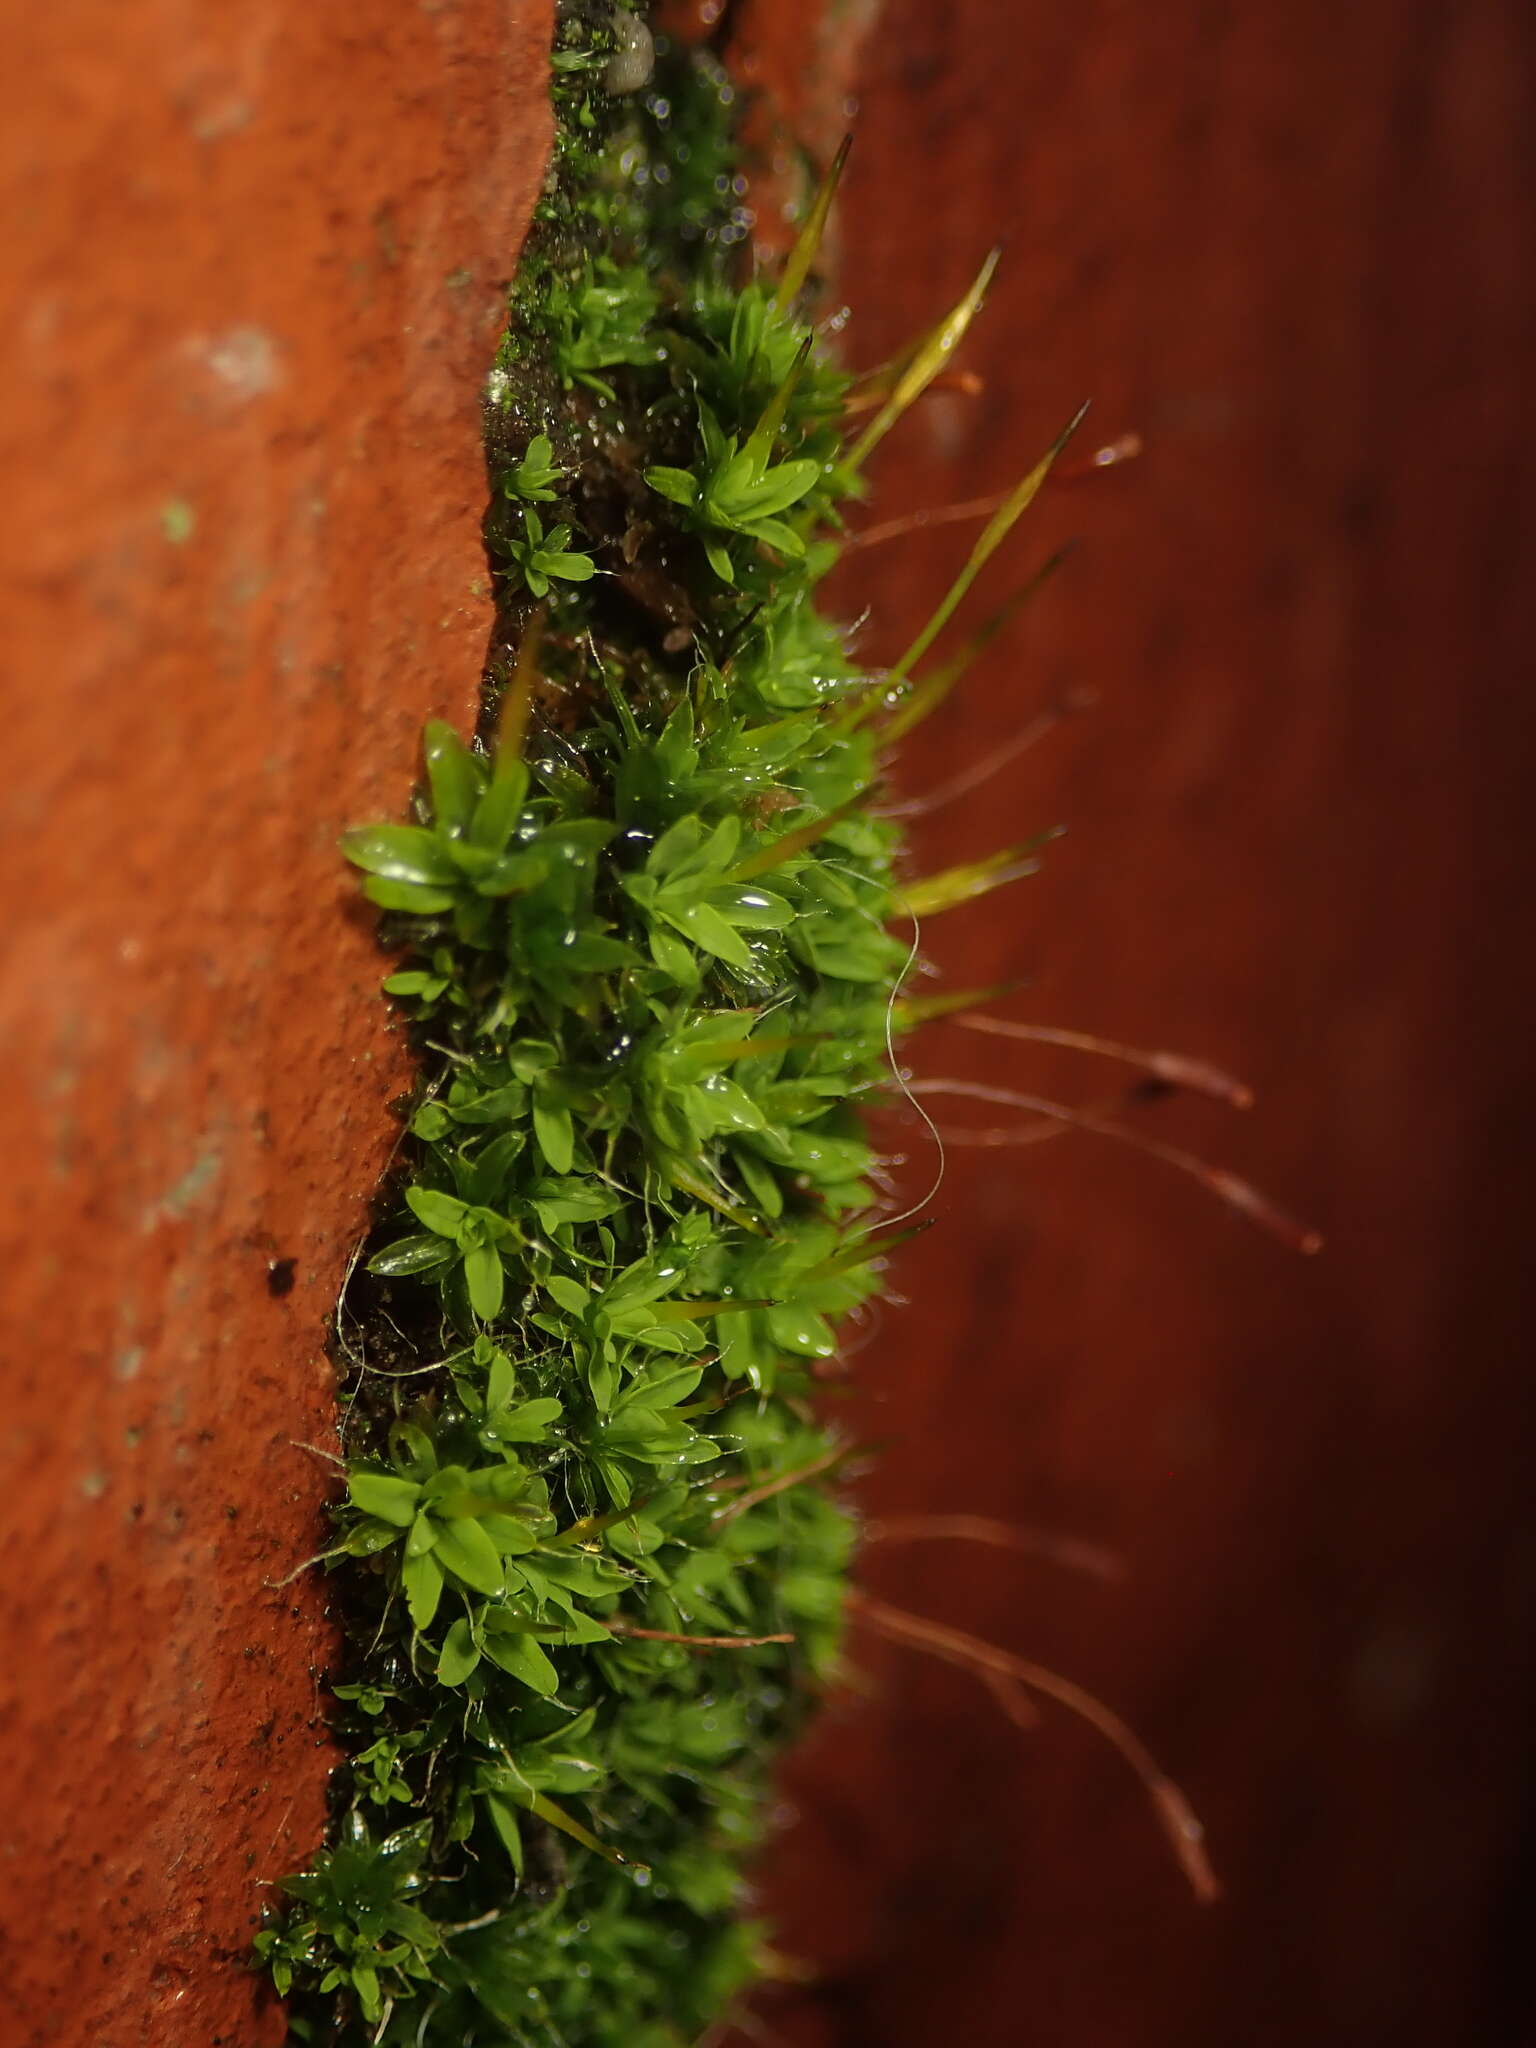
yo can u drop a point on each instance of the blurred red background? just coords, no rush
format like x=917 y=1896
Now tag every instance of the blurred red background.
x=1290 y=246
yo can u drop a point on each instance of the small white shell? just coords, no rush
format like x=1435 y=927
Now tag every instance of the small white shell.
x=634 y=55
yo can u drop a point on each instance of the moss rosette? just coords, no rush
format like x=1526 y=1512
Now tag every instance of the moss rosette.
x=590 y=1558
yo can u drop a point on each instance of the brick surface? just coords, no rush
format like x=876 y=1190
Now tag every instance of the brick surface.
x=255 y=261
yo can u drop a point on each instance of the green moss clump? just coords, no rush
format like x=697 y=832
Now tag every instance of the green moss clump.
x=591 y=1570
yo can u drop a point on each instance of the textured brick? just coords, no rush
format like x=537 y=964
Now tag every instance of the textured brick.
x=255 y=260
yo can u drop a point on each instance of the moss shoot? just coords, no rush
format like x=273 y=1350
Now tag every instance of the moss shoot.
x=652 y=943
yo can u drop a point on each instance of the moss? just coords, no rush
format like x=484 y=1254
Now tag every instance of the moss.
x=590 y=1556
